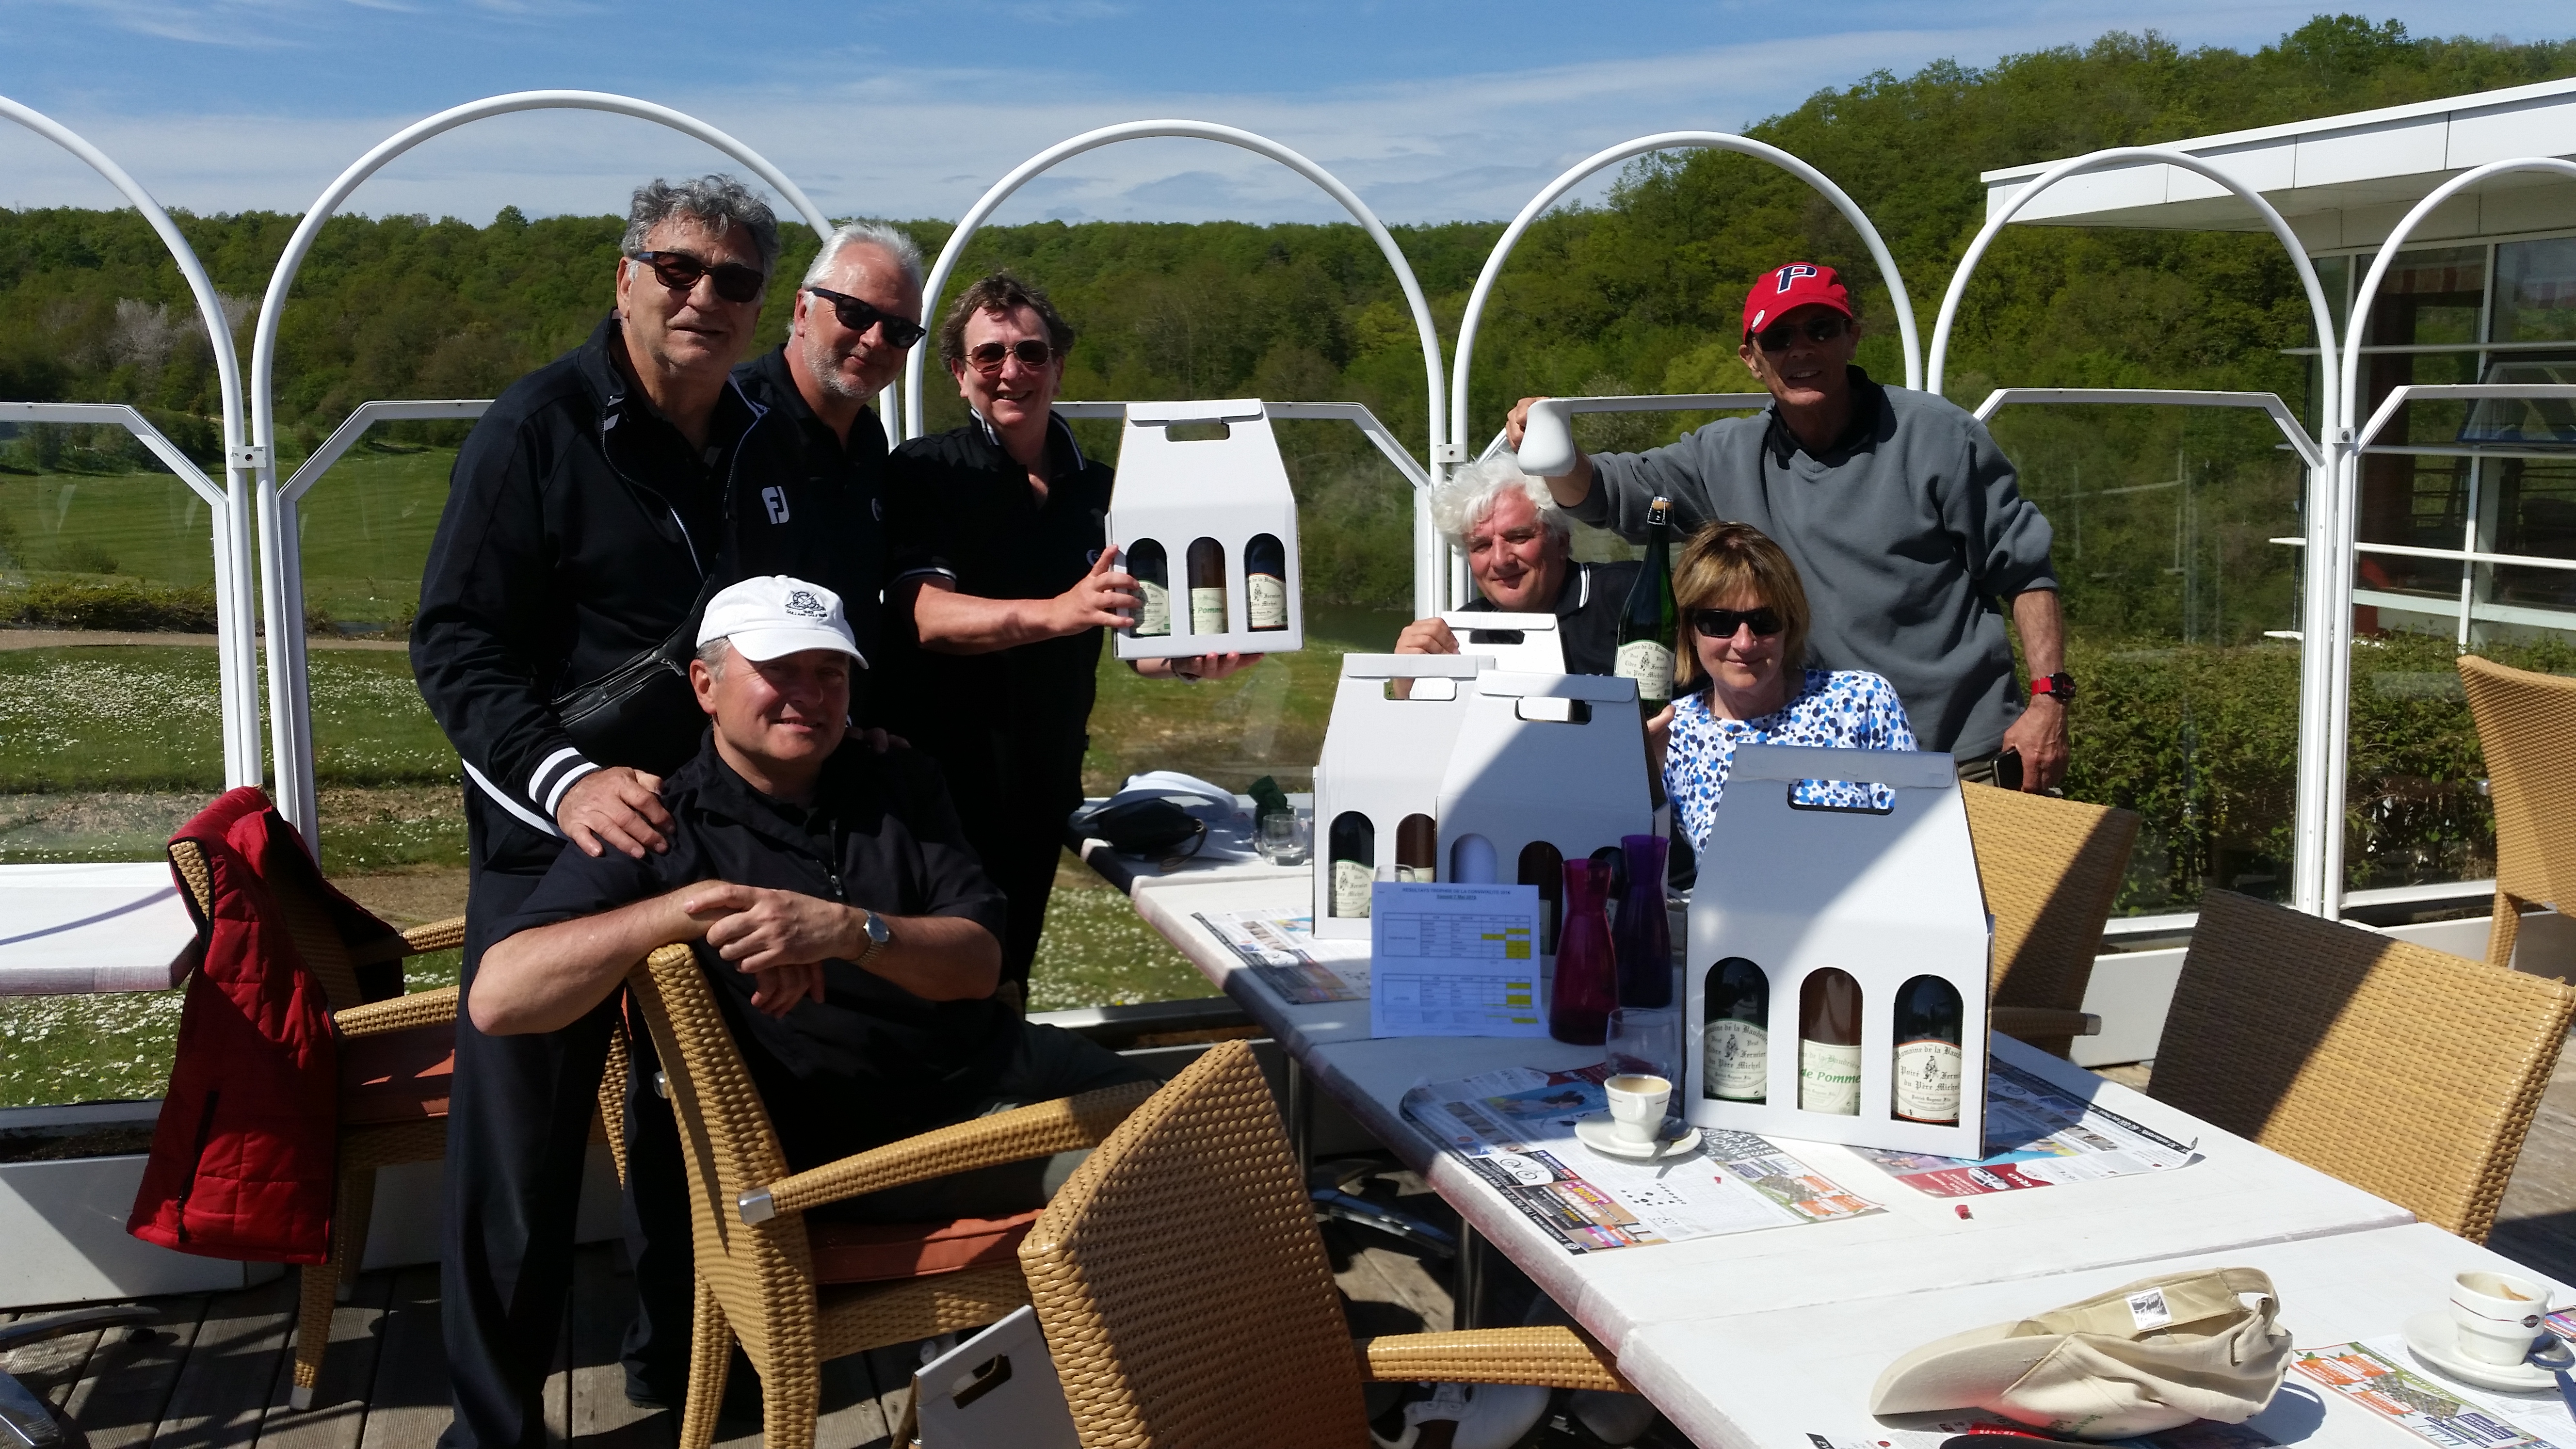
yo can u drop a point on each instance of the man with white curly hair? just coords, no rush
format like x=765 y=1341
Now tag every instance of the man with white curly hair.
x=1518 y=548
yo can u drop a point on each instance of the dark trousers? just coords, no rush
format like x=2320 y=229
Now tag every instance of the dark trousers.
x=1014 y=785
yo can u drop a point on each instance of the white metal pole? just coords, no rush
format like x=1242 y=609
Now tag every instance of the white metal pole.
x=290 y=693
x=236 y=644
x=1426 y=542
x=2313 y=843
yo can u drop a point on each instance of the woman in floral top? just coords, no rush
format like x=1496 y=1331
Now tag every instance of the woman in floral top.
x=1744 y=613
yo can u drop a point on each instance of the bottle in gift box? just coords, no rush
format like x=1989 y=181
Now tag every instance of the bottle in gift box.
x=1829 y=1043
x=1153 y=573
x=1265 y=583
x=1352 y=850
x=1929 y=1062
x=1417 y=849
x=1207 y=587
x=1586 y=986
x=1735 y=1033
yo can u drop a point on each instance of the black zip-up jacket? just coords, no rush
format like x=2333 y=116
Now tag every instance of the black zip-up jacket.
x=579 y=526
x=854 y=471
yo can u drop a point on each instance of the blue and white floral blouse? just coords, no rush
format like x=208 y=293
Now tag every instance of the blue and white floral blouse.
x=1844 y=709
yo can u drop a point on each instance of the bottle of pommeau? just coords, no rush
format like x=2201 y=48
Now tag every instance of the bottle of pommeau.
x=1353 y=851
x=1928 y=1059
x=1648 y=618
x=1265 y=582
x=1153 y=572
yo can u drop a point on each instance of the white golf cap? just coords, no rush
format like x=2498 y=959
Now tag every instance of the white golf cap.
x=773 y=616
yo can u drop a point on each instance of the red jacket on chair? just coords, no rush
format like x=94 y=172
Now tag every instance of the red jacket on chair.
x=243 y=1160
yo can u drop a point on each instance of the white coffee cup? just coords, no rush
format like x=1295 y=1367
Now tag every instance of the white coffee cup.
x=1637 y=1106
x=2497 y=1315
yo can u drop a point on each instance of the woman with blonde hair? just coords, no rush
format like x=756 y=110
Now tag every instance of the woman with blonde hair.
x=1744 y=616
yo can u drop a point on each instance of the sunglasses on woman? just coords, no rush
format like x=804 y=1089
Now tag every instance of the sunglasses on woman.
x=1779 y=335
x=859 y=316
x=1722 y=623
x=680 y=272
x=988 y=356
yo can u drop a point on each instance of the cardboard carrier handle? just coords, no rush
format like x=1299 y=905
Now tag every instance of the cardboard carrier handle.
x=1902 y=769
x=1598 y=688
x=1413 y=666
x=1201 y=410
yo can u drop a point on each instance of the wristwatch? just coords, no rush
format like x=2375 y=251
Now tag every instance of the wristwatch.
x=2059 y=686
x=879 y=934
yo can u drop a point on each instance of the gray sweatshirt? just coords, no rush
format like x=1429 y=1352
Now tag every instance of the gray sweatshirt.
x=1906 y=533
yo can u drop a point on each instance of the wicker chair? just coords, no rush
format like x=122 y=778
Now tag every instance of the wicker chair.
x=2402 y=1070
x=2050 y=870
x=1187 y=1299
x=795 y=1293
x=397 y=1057
x=2527 y=727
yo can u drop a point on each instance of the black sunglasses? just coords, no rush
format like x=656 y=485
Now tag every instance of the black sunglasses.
x=987 y=357
x=1722 y=623
x=680 y=272
x=859 y=316
x=1778 y=336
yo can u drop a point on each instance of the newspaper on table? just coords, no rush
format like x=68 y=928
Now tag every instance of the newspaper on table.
x=2046 y=1136
x=1922 y=1433
x=2381 y=1375
x=1280 y=949
x=1515 y=1129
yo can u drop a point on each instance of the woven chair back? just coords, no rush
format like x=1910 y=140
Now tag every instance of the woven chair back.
x=762 y=1273
x=325 y=953
x=2527 y=728
x=1185 y=1294
x=2402 y=1070
x=2051 y=869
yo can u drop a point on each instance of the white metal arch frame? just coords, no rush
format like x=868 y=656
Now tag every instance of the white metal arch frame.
x=2324 y=662
x=236 y=646
x=1669 y=141
x=2348 y=448
x=1425 y=541
x=290 y=694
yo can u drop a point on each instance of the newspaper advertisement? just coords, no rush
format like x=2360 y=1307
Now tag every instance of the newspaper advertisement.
x=1280 y=949
x=1515 y=1128
x=1923 y=1434
x=2047 y=1136
x=2380 y=1375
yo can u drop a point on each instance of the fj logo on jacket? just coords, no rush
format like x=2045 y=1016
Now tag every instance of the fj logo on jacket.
x=775 y=499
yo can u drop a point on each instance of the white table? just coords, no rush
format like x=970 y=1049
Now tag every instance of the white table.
x=68 y=930
x=1649 y=1304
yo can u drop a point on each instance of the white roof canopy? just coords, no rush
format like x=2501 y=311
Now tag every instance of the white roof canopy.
x=2342 y=181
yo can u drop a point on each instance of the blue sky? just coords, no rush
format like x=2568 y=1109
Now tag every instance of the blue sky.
x=1430 y=111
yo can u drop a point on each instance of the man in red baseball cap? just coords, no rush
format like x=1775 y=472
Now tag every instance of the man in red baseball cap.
x=1904 y=519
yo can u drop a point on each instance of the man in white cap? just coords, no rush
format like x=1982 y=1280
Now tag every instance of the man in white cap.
x=852 y=939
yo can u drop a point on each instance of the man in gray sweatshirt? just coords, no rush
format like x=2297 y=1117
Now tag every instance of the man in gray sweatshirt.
x=1903 y=517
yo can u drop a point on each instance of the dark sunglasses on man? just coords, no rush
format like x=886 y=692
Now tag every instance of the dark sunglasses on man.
x=680 y=271
x=1722 y=623
x=1779 y=335
x=859 y=316
x=987 y=357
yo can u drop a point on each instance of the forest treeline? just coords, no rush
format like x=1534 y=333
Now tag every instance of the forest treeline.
x=1639 y=293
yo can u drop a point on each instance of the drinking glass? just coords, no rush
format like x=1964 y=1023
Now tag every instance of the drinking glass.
x=1285 y=838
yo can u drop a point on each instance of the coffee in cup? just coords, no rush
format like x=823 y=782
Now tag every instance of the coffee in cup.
x=2497 y=1315
x=1637 y=1106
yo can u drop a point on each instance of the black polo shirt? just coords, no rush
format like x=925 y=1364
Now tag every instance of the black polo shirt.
x=871 y=1062
x=1587 y=613
x=959 y=508
x=851 y=475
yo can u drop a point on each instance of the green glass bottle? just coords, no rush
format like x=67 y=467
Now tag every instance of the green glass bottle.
x=1648 y=619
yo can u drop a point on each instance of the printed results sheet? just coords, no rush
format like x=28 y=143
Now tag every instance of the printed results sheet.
x=1515 y=1128
x=1454 y=960
x=1279 y=948
x=2047 y=1136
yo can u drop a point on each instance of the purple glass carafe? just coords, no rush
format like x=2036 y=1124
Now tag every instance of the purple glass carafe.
x=1578 y=1005
x=1644 y=936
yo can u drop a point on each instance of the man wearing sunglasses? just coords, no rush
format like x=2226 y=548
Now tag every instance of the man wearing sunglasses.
x=1902 y=515
x=1002 y=569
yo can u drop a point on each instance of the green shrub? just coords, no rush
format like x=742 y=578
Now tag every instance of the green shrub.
x=120 y=605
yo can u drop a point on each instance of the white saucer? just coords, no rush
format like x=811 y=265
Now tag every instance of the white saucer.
x=2435 y=1339
x=1601 y=1135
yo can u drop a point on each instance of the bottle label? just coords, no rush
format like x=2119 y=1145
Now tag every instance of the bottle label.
x=1207 y=611
x=1154 y=614
x=1266 y=599
x=1927 y=1081
x=1351 y=883
x=1735 y=1061
x=1828 y=1078
x=1651 y=665
x=1415 y=874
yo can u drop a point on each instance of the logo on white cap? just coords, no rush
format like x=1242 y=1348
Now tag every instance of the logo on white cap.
x=802 y=601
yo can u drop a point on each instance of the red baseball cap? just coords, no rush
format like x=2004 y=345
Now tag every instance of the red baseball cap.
x=1798 y=284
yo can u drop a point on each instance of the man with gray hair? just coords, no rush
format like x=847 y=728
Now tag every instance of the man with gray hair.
x=858 y=314
x=1518 y=548
x=592 y=509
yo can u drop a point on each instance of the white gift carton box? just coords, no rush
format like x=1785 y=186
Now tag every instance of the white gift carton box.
x=1383 y=760
x=1522 y=643
x=1886 y=897
x=1222 y=480
x=1547 y=768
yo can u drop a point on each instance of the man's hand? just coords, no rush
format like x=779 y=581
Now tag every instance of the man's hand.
x=1518 y=422
x=1426 y=636
x=2040 y=736
x=618 y=806
x=1094 y=602
x=1568 y=488
x=758 y=929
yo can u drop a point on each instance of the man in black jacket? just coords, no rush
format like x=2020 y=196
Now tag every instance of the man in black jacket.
x=588 y=509
x=1517 y=543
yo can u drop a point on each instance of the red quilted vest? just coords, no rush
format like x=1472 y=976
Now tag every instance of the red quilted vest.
x=244 y=1159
